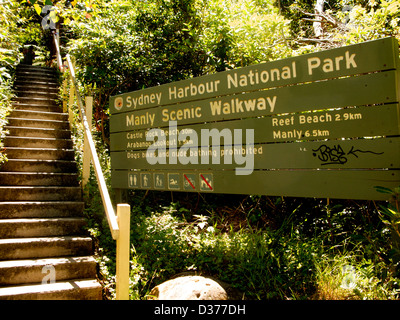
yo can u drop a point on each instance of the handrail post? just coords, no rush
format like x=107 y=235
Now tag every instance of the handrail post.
x=123 y=250
x=86 y=149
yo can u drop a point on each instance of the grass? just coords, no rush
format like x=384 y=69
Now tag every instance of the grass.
x=342 y=277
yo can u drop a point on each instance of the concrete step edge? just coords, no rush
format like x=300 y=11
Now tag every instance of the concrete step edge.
x=42 y=153
x=32 y=128
x=20 y=83
x=16 y=131
x=40 y=193
x=59 y=290
x=38 y=179
x=44 y=247
x=39 y=149
x=38 y=113
x=50 y=174
x=38 y=120
x=41 y=227
x=39 y=202
x=42 y=161
x=36 y=94
x=34 y=99
x=30 y=271
x=40 y=209
x=37 y=142
x=41 y=220
x=27 y=105
x=27 y=67
x=36 y=75
x=45 y=261
x=36 y=84
x=27 y=139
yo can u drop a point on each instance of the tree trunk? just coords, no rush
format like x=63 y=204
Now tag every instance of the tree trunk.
x=317 y=25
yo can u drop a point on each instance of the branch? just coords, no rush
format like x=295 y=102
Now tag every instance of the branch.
x=322 y=17
x=314 y=40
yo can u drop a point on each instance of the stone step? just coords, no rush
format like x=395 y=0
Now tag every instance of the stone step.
x=68 y=290
x=36 y=107
x=37 y=101
x=14 y=272
x=38 y=115
x=29 y=142
x=38 y=84
x=40 y=209
x=34 y=78
x=35 y=93
x=41 y=227
x=38 y=123
x=33 y=74
x=44 y=247
x=39 y=154
x=40 y=193
x=38 y=132
x=38 y=179
x=39 y=166
x=26 y=67
x=35 y=86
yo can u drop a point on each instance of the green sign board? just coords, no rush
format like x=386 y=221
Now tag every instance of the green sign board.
x=324 y=124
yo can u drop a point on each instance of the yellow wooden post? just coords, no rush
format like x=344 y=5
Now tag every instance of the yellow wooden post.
x=86 y=148
x=123 y=246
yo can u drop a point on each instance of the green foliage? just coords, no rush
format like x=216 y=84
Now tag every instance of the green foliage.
x=9 y=57
x=372 y=22
x=343 y=22
x=390 y=216
x=132 y=45
x=351 y=277
x=245 y=32
x=292 y=248
x=256 y=263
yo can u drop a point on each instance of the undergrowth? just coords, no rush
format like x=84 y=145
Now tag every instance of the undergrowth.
x=265 y=248
x=6 y=95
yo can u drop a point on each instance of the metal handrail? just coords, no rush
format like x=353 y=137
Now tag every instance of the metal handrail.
x=110 y=214
x=58 y=53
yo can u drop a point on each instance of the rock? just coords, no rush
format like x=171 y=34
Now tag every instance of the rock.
x=189 y=287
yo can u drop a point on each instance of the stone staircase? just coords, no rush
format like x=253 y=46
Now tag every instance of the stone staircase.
x=41 y=234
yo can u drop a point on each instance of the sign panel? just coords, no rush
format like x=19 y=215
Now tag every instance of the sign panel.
x=367 y=89
x=367 y=57
x=296 y=183
x=329 y=124
x=333 y=154
x=324 y=124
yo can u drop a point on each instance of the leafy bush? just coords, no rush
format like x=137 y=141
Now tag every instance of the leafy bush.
x=306 y=255
x=9 y=56
x=256 y=263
